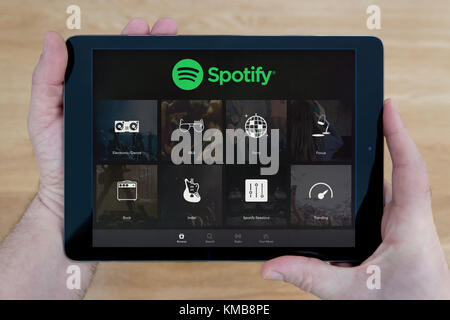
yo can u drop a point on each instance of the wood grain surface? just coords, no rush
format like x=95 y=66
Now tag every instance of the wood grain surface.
x=416 y=36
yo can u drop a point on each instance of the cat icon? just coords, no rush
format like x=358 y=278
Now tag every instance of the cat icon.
x=190 y=193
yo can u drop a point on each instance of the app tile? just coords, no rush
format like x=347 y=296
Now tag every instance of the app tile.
x=321 y=195
x=126 y=130
x=190 y=116
x=191 y=196
x=320 y=130
x=257 y=118
x=253 y=200
x=126 y=196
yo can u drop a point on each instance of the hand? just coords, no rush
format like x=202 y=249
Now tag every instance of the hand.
x=45 y=119
x=32 y=260
x=410 y=257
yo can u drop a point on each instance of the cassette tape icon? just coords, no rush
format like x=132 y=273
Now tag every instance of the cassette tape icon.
x=121 y=126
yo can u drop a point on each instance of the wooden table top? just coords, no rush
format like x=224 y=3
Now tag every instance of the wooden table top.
x=416 y=36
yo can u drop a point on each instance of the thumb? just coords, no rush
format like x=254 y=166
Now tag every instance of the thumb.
x=48 y=76
x=310 y=275
x=47 y=85
x=409 y=175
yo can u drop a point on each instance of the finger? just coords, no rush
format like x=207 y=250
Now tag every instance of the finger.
x=409 y=175
x=164 y=26
x=309 y=274
x=342 y=264
x=48 y=76
x=137 y=26
x=387 y=193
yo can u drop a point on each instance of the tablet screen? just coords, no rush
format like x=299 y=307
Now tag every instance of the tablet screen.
x=224 y=148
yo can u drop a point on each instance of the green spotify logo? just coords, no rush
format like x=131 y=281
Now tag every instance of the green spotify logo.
x=187 y=74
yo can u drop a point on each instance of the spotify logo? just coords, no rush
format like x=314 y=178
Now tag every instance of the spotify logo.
x=187 y=74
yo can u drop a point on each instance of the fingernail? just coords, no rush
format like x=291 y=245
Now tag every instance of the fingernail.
x=394 y=105
x=273 y=275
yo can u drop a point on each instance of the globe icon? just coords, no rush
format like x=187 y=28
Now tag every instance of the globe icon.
x=256 y=126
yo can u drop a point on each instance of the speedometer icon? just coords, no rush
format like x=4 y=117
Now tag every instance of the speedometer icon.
x=320 y=191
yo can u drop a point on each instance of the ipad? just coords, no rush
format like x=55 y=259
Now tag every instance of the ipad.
x=223 y=147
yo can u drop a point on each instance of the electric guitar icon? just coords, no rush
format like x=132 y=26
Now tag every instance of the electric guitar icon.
x=190 y=193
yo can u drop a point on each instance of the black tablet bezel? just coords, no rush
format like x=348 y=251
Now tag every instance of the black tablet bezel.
x=78 y=138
